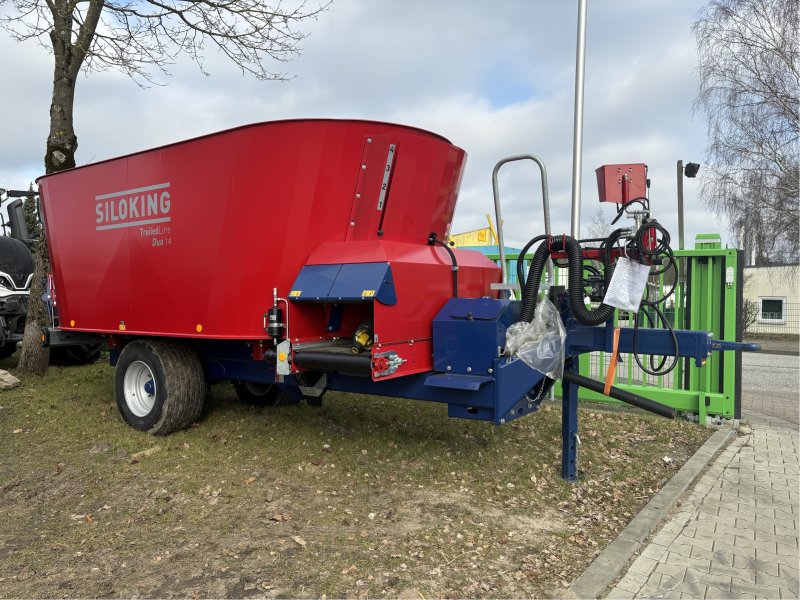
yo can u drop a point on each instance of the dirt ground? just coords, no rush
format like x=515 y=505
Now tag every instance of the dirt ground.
x=364 y=497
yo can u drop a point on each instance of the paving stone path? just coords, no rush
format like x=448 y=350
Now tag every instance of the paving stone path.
x=736 y=535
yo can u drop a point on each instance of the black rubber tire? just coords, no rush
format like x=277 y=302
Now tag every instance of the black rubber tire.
x=7 y=349
x=259 y=394
x=180 y=387
x=84 y=354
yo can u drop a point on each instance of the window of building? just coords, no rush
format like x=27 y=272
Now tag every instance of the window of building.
x=772 y=310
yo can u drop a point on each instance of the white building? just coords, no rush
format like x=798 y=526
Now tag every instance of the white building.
x=776 y=294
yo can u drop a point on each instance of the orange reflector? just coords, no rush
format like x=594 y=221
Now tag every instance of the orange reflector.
x=198 y=328
x=72 y=323
x=122 y=325
x=282 y=356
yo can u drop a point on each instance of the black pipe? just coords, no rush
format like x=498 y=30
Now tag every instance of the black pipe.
x=353 y=364
x=357 y=364
x=622 y=395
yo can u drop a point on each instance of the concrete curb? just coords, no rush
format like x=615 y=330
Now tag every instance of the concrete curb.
x=609 y=564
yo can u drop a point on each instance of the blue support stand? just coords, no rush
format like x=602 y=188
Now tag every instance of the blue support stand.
x=569 y=426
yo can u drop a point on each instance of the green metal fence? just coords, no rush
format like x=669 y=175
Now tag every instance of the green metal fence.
x=707 y=297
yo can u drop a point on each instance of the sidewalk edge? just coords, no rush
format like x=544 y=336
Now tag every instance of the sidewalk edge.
x=609 y=564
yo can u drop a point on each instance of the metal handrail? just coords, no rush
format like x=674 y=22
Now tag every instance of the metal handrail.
x=499 y=218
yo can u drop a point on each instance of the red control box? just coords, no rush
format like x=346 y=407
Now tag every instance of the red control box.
x=622 y=184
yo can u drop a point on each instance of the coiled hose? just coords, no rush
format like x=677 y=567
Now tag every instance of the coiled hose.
x=574 y=252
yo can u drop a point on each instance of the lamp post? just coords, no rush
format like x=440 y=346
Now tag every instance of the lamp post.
x=577 y=142
x=690 y=171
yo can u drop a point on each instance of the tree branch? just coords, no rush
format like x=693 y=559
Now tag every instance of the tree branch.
x=749 y=83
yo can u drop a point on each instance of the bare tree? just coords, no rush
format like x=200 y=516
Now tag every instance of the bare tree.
x=600 y=226
x=750 y=309
x=748 y=89
x=140 y=38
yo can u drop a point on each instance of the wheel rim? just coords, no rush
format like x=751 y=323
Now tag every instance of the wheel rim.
x=139 y=388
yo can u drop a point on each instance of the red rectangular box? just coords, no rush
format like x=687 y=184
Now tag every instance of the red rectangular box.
x=622 y=183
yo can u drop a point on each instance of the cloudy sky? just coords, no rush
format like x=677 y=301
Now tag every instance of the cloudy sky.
x=496 y=78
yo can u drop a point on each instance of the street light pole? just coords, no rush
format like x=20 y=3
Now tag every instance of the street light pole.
x=577 y=143
x=690 y=170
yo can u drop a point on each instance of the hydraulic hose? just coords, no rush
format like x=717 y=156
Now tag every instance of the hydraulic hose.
x=575 y=279
x=661 y=245
x=606 y=248
x=432 y=241
x=521 y=260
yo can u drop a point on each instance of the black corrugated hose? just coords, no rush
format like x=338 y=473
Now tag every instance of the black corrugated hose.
x=530 y=285
x=521 y=260
x=530 y=290
x=575 y=291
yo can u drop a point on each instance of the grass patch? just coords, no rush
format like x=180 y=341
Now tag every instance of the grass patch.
x=364 y=497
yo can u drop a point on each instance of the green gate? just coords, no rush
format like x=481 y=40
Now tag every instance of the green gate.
x=707 y=297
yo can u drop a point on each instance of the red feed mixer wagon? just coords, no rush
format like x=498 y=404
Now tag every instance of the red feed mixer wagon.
x=292 y=257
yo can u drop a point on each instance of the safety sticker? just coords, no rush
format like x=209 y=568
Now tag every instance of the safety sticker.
x=368 y=293
x=295 y=293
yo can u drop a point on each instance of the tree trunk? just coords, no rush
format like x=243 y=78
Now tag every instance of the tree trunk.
x=61 y=146
x=34 y=359
x=70 y=49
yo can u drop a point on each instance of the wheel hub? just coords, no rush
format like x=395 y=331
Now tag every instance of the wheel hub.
x=139 y=388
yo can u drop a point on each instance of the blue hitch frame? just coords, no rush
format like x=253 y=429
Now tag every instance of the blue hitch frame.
x=466 y=331
x=582 y=338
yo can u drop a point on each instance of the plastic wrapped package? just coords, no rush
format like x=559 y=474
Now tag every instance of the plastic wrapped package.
x=540 y=343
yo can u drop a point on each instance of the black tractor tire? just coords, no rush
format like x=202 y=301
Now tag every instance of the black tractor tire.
x=7 y=349
x=159 y=386
x=259 y=394
x=85 y=354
